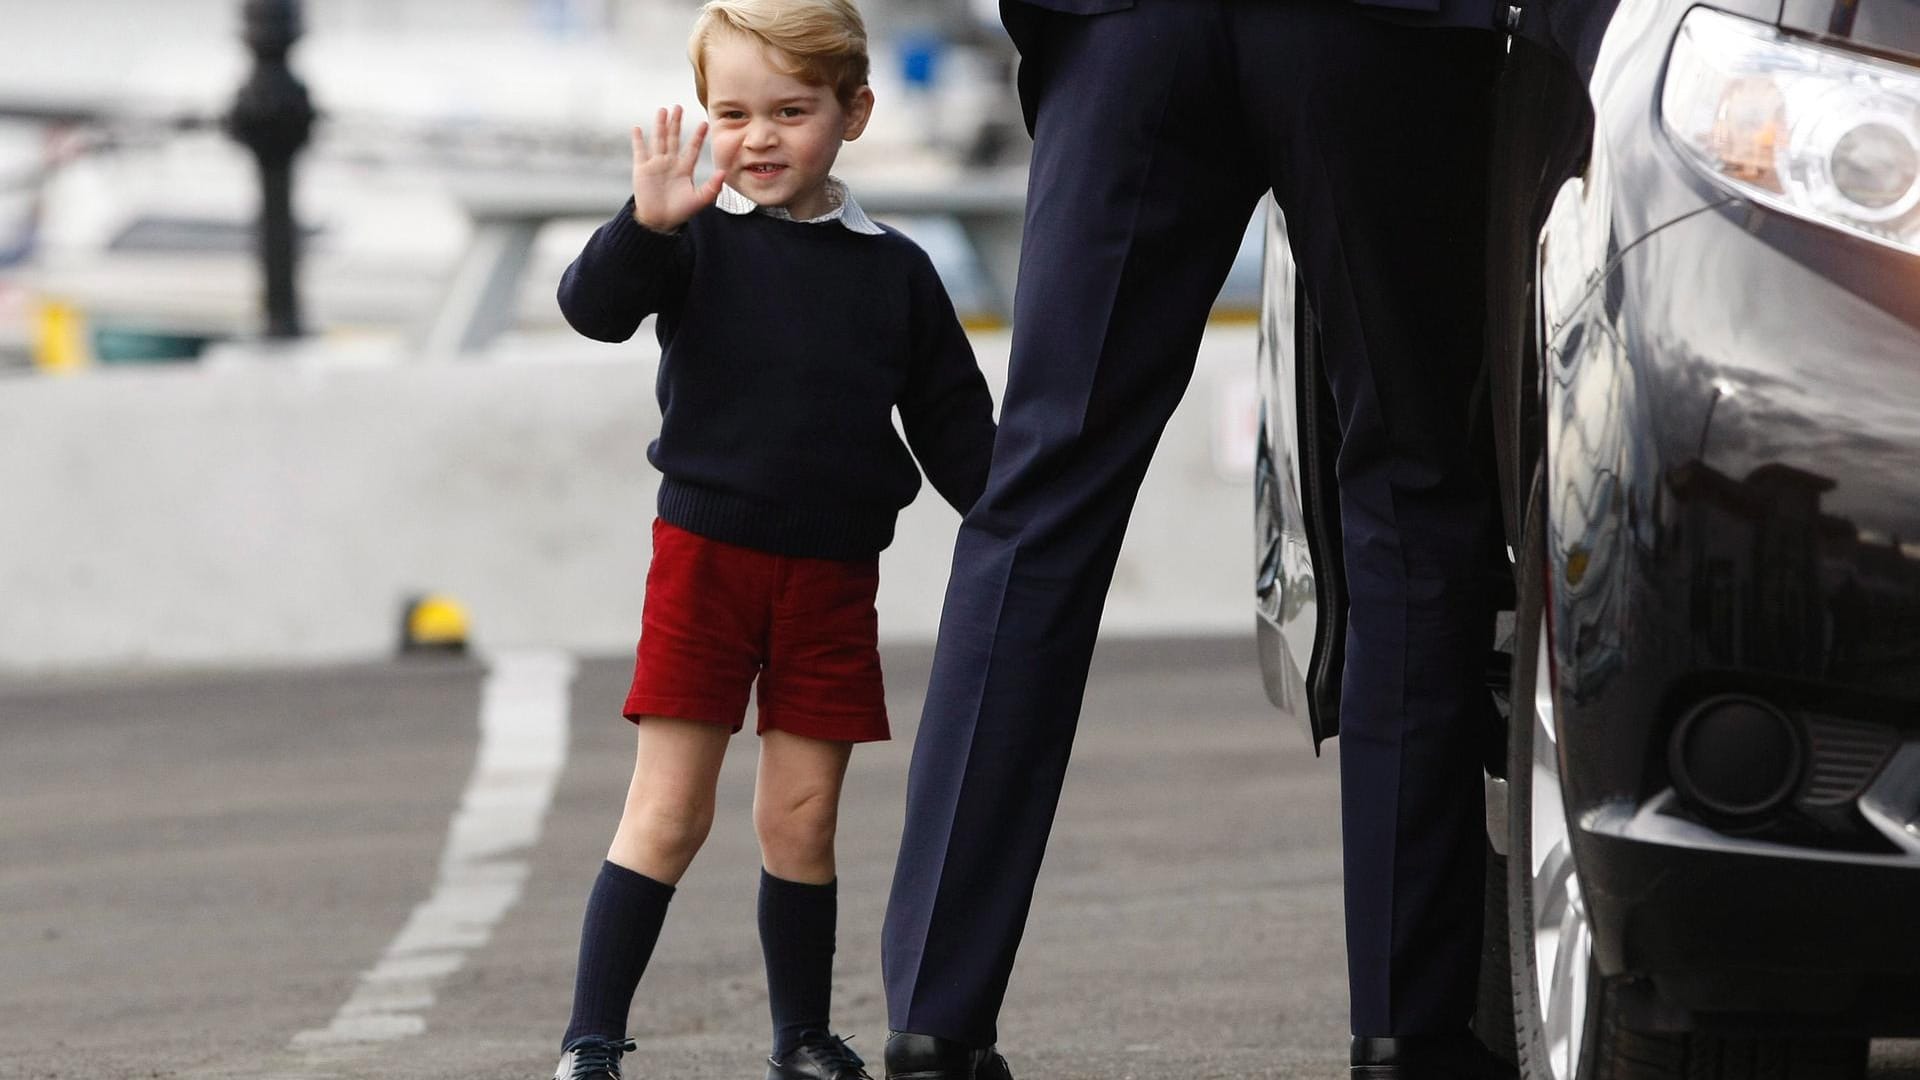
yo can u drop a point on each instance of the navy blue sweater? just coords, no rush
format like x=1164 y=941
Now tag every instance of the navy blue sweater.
x=785 y=347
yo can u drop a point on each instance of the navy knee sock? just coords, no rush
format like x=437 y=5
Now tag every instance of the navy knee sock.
x=624 y=913
x=796 y=936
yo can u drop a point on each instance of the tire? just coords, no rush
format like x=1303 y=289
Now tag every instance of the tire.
x=1577 y=1035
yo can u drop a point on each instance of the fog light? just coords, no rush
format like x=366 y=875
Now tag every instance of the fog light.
x=1736 y=756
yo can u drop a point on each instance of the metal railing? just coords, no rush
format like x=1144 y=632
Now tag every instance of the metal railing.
x=508 y=213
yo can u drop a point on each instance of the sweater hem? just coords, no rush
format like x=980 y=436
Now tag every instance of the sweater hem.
x=846 y=534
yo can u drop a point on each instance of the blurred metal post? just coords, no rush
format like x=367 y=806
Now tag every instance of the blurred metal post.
x=273 y=116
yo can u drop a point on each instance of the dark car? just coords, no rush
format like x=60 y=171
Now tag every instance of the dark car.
x=1703 y=383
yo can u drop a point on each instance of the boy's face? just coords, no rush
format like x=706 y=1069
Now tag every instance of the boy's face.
x=774 y=136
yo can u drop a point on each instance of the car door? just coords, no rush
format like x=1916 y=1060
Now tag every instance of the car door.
x=1299 y=585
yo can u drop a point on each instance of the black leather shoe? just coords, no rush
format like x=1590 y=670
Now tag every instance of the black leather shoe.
x=819 y=1057
x=592 y=1058
x=1427 y=1057
x=926 y=1057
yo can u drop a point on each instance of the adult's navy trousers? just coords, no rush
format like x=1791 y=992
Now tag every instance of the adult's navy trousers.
x=1157 y=127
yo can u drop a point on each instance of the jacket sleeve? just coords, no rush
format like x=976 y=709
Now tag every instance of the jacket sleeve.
x=624 y=274
x=945 y=408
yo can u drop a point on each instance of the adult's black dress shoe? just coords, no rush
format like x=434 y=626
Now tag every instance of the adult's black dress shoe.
x=1427 y=1057
x=926 y=1057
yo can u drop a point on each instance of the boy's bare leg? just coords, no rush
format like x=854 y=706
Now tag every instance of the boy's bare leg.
x=668 y=812
x=670 y=801
x=796 y=804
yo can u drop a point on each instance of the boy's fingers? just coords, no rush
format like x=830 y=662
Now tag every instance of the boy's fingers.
x=673 y=133
x=660 y=132
x=691 y=155
x=639 y=142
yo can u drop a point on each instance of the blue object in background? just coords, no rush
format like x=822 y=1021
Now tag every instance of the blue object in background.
x=117 y=345
x=566 y=19
x=920 y=59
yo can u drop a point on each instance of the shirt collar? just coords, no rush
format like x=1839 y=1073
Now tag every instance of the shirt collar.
x=843 y=208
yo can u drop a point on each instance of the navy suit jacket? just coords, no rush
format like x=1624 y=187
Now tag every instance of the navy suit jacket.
x=1480 y=14
x=1025 y=24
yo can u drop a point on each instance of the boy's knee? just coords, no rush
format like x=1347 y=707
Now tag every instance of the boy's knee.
x=671 y=830
x=800 y=826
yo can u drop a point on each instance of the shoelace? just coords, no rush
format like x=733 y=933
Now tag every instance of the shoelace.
x=833 y=1053
x=597 y=1058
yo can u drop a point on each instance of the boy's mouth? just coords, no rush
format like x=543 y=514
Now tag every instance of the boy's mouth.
x=765 y=169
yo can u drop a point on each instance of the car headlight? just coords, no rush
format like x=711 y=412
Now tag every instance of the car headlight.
x=1827 y=135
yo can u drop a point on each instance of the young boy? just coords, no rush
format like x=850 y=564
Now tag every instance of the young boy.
x=791 y=327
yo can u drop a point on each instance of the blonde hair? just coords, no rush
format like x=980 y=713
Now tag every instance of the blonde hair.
x=824 y=40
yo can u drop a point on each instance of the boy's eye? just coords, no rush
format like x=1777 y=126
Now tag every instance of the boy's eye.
x=792 y=110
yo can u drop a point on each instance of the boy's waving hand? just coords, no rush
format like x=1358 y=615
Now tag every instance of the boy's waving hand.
x=664 y=194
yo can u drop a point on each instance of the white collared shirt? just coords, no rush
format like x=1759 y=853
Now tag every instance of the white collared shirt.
x=843 y=209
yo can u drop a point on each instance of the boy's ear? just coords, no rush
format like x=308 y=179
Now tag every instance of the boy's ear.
x=859 y=111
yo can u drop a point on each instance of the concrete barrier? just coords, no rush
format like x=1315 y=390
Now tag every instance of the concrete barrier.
x=281 y=511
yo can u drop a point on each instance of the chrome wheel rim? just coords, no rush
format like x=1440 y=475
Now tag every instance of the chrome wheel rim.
x=1562 y=935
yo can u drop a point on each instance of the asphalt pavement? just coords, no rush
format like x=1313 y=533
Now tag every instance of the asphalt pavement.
x=263 y=875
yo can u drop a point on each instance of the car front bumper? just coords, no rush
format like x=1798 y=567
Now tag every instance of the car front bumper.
x=1733 y=421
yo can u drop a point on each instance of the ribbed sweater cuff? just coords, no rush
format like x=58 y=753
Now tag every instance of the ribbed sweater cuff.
x=632 y=240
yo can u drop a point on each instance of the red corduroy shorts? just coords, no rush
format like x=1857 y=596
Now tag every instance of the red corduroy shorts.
x=719 y=616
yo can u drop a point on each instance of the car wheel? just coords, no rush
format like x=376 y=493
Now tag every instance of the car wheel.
x=1565 y=1025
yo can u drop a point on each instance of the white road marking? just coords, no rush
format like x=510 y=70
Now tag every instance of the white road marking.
x=523 y=744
